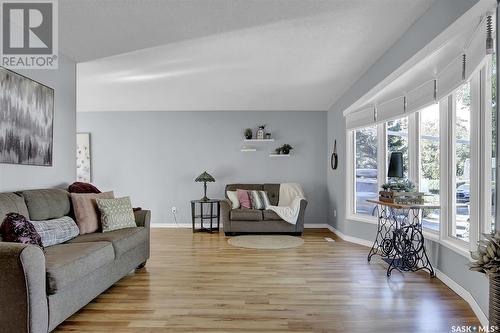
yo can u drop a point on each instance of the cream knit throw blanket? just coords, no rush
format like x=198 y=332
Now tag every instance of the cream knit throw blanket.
x=289 y=203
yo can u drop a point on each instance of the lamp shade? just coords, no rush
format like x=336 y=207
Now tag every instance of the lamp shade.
x=205 y=177
x=396 y=165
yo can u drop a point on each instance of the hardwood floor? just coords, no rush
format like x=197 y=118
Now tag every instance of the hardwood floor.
x=200 y=283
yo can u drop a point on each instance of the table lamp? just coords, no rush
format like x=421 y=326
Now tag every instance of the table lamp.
x=205 y=177
x=396 y=165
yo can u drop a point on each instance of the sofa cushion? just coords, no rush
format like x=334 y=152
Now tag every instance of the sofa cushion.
x=47 y=204
x=123 y=240
x=246 y=214
x=273 y=193
x=270 y=215
x=87 y=214
x=116 y=214
x=68 y=263
x=12 y=203
x=56 y=231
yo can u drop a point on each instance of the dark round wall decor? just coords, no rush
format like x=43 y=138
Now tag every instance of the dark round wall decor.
x=334 y=161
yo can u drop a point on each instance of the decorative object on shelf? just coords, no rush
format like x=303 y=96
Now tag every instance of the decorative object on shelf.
x=401 y=192
x=285 y=149
x=248 y=134
x=268 y=136
x=334 y=160
x=277 y=151
x=204 y=178
x=27 y=109
x=261 y=132
x=487 y=261
x=83 y=166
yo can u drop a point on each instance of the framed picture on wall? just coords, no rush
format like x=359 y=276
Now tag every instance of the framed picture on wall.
x=83 y=158
x=26 y=120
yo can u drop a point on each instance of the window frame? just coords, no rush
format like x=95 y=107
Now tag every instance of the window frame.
x=480 y=163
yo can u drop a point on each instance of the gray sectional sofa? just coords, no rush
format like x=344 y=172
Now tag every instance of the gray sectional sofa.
x=244 y=221
x=40 y=289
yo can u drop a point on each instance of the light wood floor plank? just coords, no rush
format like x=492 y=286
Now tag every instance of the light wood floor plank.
x=200 y=283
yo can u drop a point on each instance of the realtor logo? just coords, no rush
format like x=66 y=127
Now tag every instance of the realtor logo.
x=29 y=34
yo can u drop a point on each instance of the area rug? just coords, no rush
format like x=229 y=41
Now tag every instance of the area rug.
x=266 y=242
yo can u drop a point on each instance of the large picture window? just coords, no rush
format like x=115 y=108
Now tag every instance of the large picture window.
x=366 y=178
x=429 y=165
x=460 y=227
x=448 y=151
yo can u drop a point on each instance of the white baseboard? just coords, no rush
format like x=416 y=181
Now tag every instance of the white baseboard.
x=171 y=225
x=458 y=289
x=462 y=292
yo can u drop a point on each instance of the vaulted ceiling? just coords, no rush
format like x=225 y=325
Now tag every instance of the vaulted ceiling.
x=152 y=55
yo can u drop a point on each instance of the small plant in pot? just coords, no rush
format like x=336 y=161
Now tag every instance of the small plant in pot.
x=248 y=134
x=277 y=151
x=285 y=149
x=487 y=261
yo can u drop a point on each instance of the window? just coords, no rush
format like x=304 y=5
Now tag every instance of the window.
x=429 y=174
x=448 y=151
x=397 y=140
x=365 y=170
x=462 y=155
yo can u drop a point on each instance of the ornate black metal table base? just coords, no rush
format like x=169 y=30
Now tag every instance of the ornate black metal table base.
x=399 y=240
x=212 y=217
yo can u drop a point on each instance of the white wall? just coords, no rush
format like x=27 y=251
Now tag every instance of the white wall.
x=18 y=177
x=155 y=156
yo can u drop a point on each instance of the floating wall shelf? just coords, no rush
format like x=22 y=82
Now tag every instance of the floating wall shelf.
x=279 y=155
x=258 y=140
x=248 y=149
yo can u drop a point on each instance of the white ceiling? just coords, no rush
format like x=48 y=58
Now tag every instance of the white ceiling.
x=226 y=54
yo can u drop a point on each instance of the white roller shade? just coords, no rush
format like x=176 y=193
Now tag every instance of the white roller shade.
x=420 y=97
x=391 y=109
x=361 y=118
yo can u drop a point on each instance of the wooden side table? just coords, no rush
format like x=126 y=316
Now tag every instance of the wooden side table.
x=213 y=214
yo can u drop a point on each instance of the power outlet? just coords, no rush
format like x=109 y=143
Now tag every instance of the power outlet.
x=174 y=210
x=334 y=212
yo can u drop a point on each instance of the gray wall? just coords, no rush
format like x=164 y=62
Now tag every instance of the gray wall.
x=447 y=261
x=15 y=177
x=155 y=156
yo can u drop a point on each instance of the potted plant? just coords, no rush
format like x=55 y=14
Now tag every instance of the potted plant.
x=285 y=149
x=248 y=134
x=487 y=261
x=277 y=151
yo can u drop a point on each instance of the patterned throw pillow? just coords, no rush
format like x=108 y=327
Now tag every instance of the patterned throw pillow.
x=56 y=231
x=16 y=228
x=259 y=199
x=116 y=214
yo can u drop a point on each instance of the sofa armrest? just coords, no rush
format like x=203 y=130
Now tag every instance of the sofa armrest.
x=23 y=303
x=299 y=226
x=225 y=210
x=143 y=218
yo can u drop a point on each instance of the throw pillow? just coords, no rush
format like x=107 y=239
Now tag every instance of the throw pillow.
x=79 y=187
x=116 y=214
x=56 y=231
x=233 y=197
x=86 y=213
x=259 y=199
x=244 y=199
x=16 y=228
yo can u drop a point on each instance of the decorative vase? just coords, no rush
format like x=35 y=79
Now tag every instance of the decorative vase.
x=260 y=132
x=268 y=136
x=285 y=151
x=494 y=312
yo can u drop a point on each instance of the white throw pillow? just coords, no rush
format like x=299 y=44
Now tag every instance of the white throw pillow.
x=233 y=197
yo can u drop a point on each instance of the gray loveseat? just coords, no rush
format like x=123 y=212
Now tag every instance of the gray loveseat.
x=243 y=221
x=40 y=289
